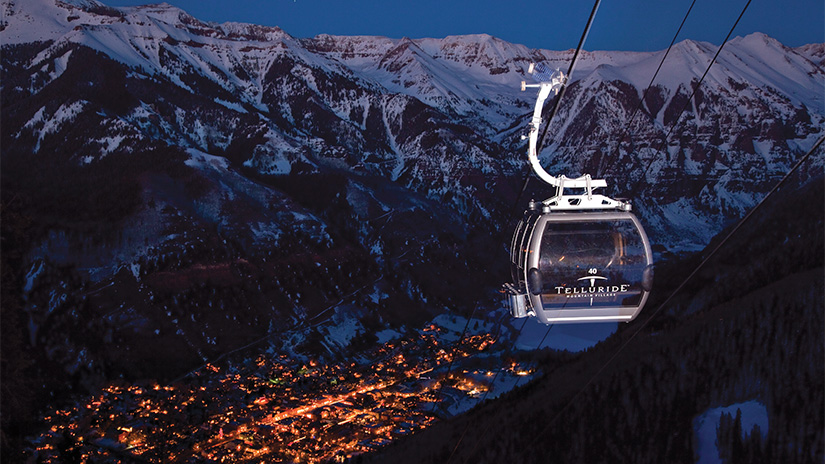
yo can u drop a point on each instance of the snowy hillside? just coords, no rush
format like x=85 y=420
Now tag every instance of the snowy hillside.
x=760 y=105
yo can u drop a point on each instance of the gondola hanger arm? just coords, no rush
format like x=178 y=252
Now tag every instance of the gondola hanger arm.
x=547 y=85
x=552 y=83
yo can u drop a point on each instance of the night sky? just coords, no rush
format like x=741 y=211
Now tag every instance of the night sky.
x=632 y=25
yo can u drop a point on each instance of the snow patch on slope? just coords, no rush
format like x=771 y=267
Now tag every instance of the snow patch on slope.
x=43 y=125
x=704 y=427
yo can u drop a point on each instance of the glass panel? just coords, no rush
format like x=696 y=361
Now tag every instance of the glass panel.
x=518 y=251
x=515 y=242
x=530 y=223
x=591 y=264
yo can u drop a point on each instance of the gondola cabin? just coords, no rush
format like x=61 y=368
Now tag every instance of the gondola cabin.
x=579 y=257
x=570 y=267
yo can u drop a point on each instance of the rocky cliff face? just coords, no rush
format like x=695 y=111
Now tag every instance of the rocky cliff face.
x=178 y=188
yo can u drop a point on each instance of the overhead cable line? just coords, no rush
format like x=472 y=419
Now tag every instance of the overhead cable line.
x=626 y=129
x=558 y=98
x=715 y=249
x=556 y=104
x=483 y=398
x=688 y=101
x=706 y=259
x=452 y=359
x=487 y=429
x=527 y=176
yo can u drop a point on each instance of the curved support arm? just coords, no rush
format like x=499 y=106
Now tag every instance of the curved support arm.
x=535 y=123
x=557 y=81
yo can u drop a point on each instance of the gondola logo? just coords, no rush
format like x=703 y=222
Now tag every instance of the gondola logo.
x=593 y=289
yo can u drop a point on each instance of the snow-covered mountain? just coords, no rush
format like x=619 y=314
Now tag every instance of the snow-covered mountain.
x=759 y=106
x=194 y=185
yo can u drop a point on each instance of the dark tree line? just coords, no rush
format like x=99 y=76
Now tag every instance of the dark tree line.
x=736 y=445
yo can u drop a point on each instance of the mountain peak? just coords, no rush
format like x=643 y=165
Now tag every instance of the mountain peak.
x=759 y=39
x=246 y=31
x=474 y=38
x=167 y=13
x=814 y=52
x=690 y=45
